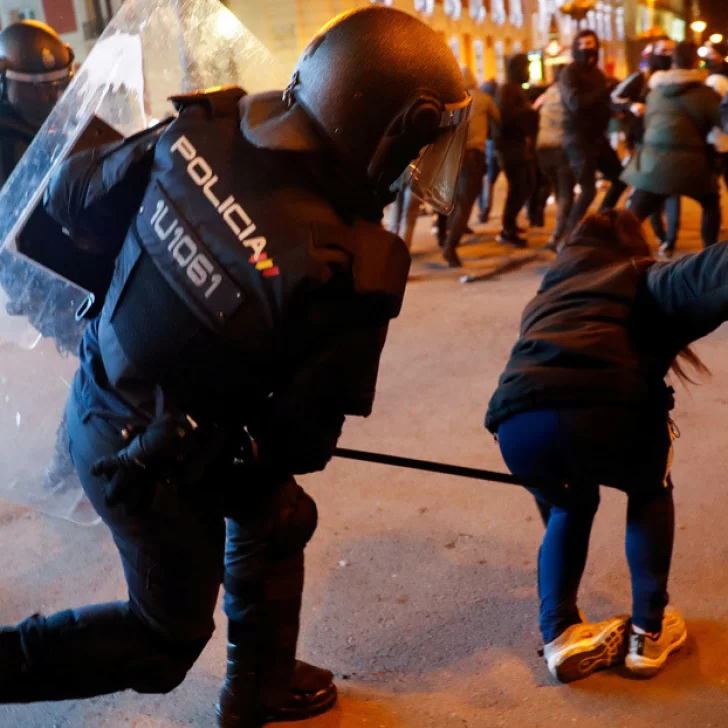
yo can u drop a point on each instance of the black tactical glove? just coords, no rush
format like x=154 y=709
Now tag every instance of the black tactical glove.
x=150 y=456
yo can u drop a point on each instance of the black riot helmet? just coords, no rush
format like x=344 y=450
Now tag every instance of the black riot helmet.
x=36 y=66
x=384 y=93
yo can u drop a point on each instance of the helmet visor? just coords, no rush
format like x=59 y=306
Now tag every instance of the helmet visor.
x=34 y=95
x=433 y=176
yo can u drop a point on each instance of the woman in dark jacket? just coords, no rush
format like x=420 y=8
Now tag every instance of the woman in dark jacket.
x=582 y=403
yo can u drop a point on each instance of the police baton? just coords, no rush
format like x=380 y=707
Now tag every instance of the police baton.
x=444 y=468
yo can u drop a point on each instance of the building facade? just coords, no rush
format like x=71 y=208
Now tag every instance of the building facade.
x=481 y=33
x=79 y=22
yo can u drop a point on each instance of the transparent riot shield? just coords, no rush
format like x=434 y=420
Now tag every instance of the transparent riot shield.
x=151 y=50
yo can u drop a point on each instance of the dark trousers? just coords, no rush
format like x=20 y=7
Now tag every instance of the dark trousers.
x=673 y=213
x=724 y=166
x=492 y=172
x=643 y=203
x=536 y=206
x=175 y=558
x=556 y=168
x=585 y=163
x=520 y=171
x=615 y=446
x=470 y=183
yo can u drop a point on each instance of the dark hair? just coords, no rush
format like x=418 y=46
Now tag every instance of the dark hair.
x=622 y=231
x=584 y=34
x=617 y=229
x=685 y=55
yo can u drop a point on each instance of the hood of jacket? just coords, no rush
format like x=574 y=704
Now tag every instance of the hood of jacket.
x=677 y=81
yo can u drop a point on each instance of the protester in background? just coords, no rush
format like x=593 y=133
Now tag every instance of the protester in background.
x=630 y=98
x=585 y=95
x=582 y=403
x=674 y=158
x=516 y=145
x=715 y=57
x=493 y=170
x=718 y=138
x=470 y=182
x=552 y=157
x=542 y=190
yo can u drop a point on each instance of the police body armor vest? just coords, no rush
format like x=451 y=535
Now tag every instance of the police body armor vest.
x=227 y=250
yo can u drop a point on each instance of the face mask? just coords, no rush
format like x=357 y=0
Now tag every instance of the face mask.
x=587 y=57
x=659 y=63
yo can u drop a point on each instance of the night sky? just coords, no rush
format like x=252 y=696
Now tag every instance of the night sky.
x=715 y=13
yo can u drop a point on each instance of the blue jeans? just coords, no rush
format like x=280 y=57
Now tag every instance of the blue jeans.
x=673 y=211
x=619 y=447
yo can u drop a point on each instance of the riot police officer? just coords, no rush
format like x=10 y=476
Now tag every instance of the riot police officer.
x=36 y=66
x=245 y=320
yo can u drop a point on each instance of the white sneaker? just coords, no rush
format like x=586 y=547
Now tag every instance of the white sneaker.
x=584 y=648
x=646 y=655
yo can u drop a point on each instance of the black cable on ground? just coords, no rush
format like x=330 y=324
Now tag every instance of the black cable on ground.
x=433 y=467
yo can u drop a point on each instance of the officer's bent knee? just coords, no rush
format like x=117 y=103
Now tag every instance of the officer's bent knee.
x=166 y=669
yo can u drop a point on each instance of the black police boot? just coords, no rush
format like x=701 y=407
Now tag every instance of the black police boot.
x=12 y=663
x=265 y=682
x=246 y=703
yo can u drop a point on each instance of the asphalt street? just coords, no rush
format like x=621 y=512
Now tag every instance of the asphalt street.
x=421 y=588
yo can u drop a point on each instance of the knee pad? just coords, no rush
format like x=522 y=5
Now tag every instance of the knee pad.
x=294 y=522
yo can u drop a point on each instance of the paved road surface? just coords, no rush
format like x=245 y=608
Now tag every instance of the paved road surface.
x=421 y=588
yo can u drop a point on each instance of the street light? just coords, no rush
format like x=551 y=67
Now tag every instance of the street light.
x=716 y=38
x=698 y=27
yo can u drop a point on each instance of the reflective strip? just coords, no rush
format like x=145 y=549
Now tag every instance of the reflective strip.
x=264 y=264
x=61 y=75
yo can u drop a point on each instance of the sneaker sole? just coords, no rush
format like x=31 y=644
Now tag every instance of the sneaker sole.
x=610 y=651
x=645 y=667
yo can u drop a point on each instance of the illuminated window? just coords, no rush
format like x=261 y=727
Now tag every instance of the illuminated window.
x=500 y=61
x=477 y=10
x=517 y=13
x=498 y=13
x=479 y=56
x=426 y=7
x=608 y=30
x=619 y=23
x=453 y=8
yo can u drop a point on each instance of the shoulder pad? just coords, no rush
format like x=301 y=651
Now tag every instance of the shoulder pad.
x=217 y=101
x=380 y=261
